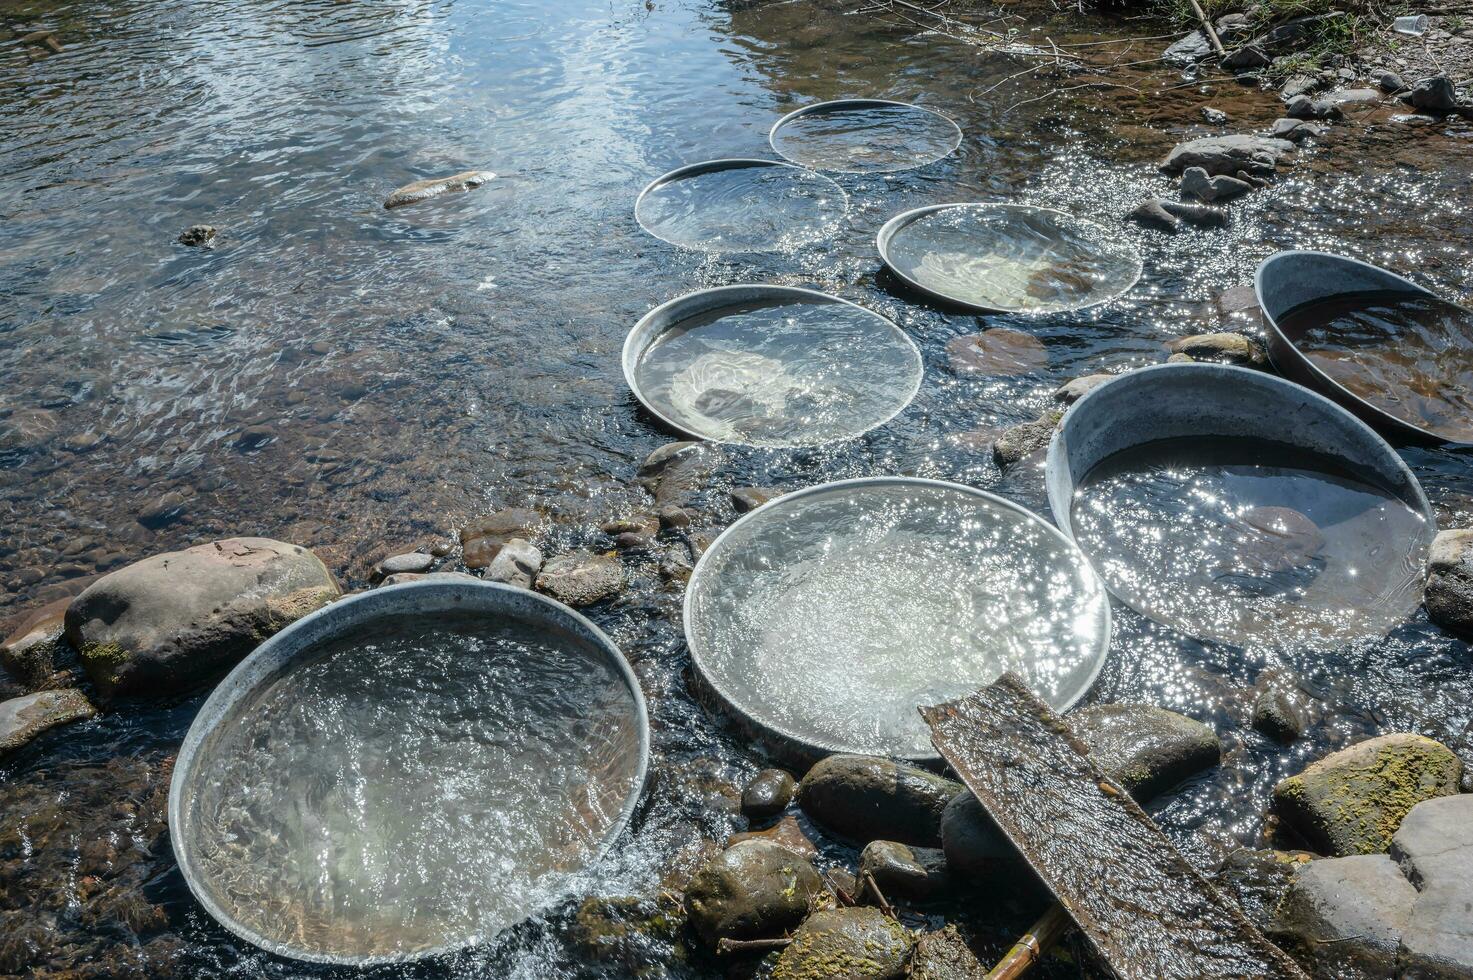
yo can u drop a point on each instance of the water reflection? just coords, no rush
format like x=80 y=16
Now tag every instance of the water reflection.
x=864 y=136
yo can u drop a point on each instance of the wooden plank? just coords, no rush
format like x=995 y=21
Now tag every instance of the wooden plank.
x=1146 y=910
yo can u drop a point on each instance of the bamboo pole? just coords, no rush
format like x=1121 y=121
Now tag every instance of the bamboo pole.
x=1035 y=942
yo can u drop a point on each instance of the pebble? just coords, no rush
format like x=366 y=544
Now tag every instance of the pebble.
x=1390 y=82
x=672 y=518
x=1227 y=154
x=768 y=794
x=1298 y=85
x=1215 y=117
x=412 y=562
x=944 y=955
x=863 y=798
x=1303 y=107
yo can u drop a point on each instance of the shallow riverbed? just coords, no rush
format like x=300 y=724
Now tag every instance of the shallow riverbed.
x=356 y=380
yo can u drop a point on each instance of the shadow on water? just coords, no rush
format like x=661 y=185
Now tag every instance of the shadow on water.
x=356 y=380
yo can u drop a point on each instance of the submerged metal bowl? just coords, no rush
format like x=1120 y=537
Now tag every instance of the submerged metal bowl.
x=1288 y=280
x=885 y=239
x=846 y=105
x=1171 y=401
x=299 y=642
x=770 y=539
x=671 y=315
x=731 y=163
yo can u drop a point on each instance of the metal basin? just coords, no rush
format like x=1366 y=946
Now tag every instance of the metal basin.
x=864 y=136
x=407 y=772
x=770 y=366
x=1290 y=281
x=1008 y=258
x=1240 y=507
x=824 y=619
x=741 y=205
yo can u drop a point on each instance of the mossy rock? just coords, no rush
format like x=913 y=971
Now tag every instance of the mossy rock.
x=846 y=944
x=752 y=890
x=642 y=935
x=1352 y=801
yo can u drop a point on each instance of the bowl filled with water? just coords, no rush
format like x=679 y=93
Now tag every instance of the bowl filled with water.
x=1008 y=258
x=770 y=366
x=408 y=771
x=1239 y=507
x=1392 y=352
x=860 y=136
x=825 y=618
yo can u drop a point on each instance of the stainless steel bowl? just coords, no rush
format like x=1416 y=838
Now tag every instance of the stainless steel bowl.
x=836 y=106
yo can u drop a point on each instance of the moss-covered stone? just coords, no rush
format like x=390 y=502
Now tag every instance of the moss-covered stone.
x=846 y=944
x=1352 y=801
x=641 y=935
x=751 y=890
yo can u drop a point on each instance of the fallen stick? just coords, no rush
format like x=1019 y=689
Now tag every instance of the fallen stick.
x=1028 y=950
x=1207 y=26
x=728 y=946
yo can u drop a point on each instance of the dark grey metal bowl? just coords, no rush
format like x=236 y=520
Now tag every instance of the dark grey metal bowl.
x=1288 y=280
x=835 y=106
x=298 y=644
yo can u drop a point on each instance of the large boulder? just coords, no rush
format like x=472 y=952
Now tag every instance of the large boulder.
x=1353 y=801
x=864 y=798
x=858 y=943
x=176 y=620
x=1227 y=155
x=1449 y=595
x=752 y=890
x=22 y=719
x=1146 y=749
x=1345 y=916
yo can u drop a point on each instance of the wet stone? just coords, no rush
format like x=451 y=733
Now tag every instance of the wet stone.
x=413 y=562
x=974 y=846
x=858 y=943
x=1353 y=801
x=1222 y=348
x=1279 y=712
x=1390 y=82
x=747 y=499
x=1071 y=391
x=787 y=833
x=1303 y=107
x=1197 y=214
x=1435 y=94
x=164 y=511
x=1259 y=879
x=998 y=352
x=24 y=718
x=640 y=935
x=1298 y=85
x=400 y=578
x=1227 y=155
x=944 y=955
x=424 y=190
x=751 y=890
x=1215 y=117
x=1146 y=749
x=1346 y=914
x=1016 y=443
x=917 y=873
x=1449 y=595
x=768 y=794
x=482 y=539
x=675 y=472
x=674 y=518
x=1152 y=214
x=581 y=580
x=1434 y=844
x=516 y=563
x=864 y=798
x=31 y=652
x=1296 y=130
x=1196 y=183
x=1249 y=57
x=197 y=236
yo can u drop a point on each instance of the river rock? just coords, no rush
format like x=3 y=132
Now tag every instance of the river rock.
x=22 y=719
x=30 y=652
x=400 y=578
x=752 y=890
x=945 y=955
x=1213 y=117
x=1153 y=214
x=173 y=621
x=674 y=518
x=917 y=873
x=198 y=236
x=1352 y=801
x=413 y=562
x=1196 y=183
x=1449 y=595
x=423 y=190
x=1435 y=94
x=1353 y=96
x=746 y=499
x=864 y=798
x=1017 y=442
x=1346 y=915
x=1188 y=49
x=974 y=846
x=787 y=832
x=1434 y=850
x=1146 y=749
x=1390 y=82
x=1222 y=348
x=673 y=473
x=998 y=352
x=1304 y=107
x=1258 y=879
x=164 y=511
x=1250 y=57
x=483 y=538
x=1298 y=85
x=1071 y=391
x=1227 y=154
x=1295 y=130
x=516 y=563
x=639 y=934
x=859 y=943
x=1279 y=713
x=1199 y=214
x=768 y=794
x=582 y=580
x=1298 y=33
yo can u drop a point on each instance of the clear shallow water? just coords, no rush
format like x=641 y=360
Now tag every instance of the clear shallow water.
x=866 y=138
x=780 y=373
x=415 y=368
x=1243 y=542
x=835 y=616
x=747 y=207
x=1013 y=259
x=413 y=787
x=1410 y=356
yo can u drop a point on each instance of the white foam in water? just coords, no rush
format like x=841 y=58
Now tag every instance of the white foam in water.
x=789 y=372
x=865 y=137
x=832 y=615
x=414 y=787
x=748 y=206
x=1012 y=258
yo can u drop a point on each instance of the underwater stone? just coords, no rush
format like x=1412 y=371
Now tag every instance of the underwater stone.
x=859 y=943
x=639 y=934
x=1224 y=348
x=173 y=621
x=1346 y=914
x=1196 y=183
x=1198 y=214
x=864 y=798
x=751 y=890
x=787 y=832
x=1449 y=595
x=944 y=955
x=22 y=719
x=582 y=580
x=1153 y=214
x=483 y=538
x=746 y=499
x=1353 y=801
x=910 y=872
x=1146 y=749
x=423 y=190
x=1018 y=442
x=1227 y=154
x=768 y=794
x=677 y=470
x=1279 y=714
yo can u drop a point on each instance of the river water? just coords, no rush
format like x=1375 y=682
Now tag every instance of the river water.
x=356 y=380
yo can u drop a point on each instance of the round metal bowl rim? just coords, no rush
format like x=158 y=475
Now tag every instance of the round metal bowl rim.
x=631 y=356
x=225 y=694
x=1054 y=459
x=889 y=228
x=839 y=104
x=1392 y=422
x=724 y=163
x=820 y=748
